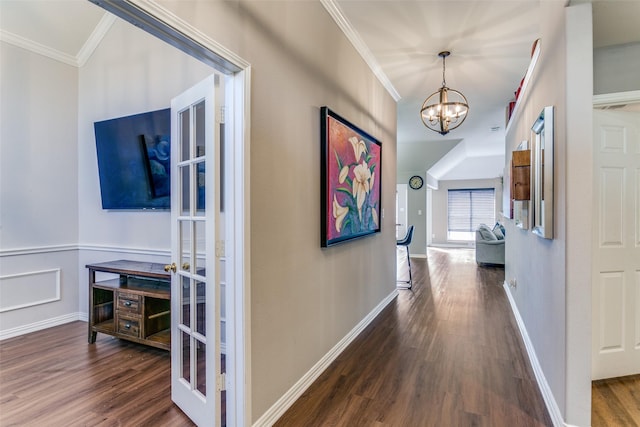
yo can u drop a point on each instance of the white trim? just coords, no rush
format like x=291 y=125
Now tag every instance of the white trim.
x=43 y=324
x=37 y=250
x=78 y=60
x=38 y=48
x=280 y=407
x=124 y=250
x=419 y=256
x=38 y=301
x=96 y=248
x=163 y=15
x=525 y=83
x=240 y=134
x=361 y=47
x=95 y=38
x=543 y=385
x=617 y=98
x=457 y=245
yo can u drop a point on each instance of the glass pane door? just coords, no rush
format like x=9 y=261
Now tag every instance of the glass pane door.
x=196 y=379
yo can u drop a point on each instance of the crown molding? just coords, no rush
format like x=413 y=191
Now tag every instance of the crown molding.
x=615 y=99
x=75 y=61
x=336 y=13
x=95 y=38
x=38 y=48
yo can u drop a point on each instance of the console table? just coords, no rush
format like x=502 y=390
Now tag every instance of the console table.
x=135 y=306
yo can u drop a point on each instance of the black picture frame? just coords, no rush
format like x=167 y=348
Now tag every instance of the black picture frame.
x=351 y=178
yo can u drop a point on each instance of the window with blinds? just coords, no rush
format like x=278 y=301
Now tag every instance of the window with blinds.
x=467 y=209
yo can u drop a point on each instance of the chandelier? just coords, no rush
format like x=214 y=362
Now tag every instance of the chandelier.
x=445 y=109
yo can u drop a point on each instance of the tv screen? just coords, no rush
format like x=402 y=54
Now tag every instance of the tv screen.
x=134 y=161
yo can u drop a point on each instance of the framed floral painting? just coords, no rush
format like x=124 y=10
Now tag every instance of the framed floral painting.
x=351 y=180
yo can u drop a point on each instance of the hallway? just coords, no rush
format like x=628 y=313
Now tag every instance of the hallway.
x=447 y=353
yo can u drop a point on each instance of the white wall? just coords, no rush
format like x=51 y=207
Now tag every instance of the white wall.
x=440 y=222
x=130 y=72
x=579 y=203
x=38 y=186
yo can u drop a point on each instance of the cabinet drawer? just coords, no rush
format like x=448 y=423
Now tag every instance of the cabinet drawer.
x=129 y=327
x=128 y=302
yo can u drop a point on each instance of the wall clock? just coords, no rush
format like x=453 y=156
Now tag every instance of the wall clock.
x=416 y=182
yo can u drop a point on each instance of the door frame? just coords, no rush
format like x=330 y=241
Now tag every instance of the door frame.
x=162 y=23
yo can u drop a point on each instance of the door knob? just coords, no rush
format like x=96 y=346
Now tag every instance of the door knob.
x=171 y=267
x=186 y=266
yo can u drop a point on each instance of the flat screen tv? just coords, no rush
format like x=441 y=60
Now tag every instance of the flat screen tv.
x=134 y=161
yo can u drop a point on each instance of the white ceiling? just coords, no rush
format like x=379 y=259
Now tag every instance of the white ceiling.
x=490 y=43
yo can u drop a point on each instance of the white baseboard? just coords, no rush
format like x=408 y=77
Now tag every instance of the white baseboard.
x=280 y=407
x=543 y=385
x=454 y=245
x=43 y=324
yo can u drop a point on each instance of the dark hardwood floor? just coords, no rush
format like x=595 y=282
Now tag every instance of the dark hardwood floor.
x=447 y=353
x=54 y=378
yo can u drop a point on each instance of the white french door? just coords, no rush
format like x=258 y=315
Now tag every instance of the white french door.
x=616 y=245
x=197 y=240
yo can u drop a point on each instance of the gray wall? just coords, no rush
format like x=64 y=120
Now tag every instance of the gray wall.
x=540 y=293
x=304 y=298
x=616 y=68
x=553 y=291
x=416 y=203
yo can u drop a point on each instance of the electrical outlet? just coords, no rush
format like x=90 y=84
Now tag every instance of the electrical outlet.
x=513 y=283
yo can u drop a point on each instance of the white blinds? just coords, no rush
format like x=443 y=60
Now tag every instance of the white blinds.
x=470 y=208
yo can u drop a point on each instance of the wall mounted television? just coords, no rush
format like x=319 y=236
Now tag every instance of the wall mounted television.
x=134 y=161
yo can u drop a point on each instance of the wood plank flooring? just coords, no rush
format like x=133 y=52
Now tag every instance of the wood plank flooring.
x=447 y=353
x=54 y=378
x=616 y=402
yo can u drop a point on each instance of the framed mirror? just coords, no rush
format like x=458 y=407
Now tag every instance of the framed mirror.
x=543 y=173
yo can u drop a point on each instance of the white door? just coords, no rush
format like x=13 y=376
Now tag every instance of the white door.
x=401 y=210
x=196 y=378
x=616 y=245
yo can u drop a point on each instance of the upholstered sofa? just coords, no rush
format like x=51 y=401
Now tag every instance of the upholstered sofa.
x=490 y=244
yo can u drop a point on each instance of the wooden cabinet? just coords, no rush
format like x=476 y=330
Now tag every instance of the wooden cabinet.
x=135 y=306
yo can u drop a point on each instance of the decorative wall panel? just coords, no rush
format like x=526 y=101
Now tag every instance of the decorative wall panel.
x=28 y=289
